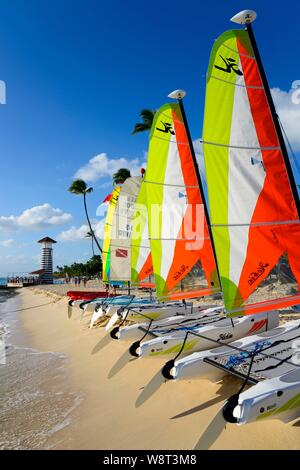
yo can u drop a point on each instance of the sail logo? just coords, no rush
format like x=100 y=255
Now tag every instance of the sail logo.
x=258 y=273
x=225 y=336
x=167 y=128
x=120 y=253
x=181 y=272
x=231 y=66
x=257 y=326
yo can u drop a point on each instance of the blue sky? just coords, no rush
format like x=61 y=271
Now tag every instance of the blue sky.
x=77 y=74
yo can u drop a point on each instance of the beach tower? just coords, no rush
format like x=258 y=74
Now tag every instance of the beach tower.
x=46 y=262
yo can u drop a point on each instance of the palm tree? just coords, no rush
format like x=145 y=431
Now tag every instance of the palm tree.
x=121 y=175
x=80 y=188
x=147 y=116
x=90 y=235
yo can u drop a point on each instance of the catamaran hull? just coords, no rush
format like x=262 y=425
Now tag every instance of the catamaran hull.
x=225 y=330
x=136 y=331
x=139 y=313
x=104 y=308
x=276 y=398
x=196 y=365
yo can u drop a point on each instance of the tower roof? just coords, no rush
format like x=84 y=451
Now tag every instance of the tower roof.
x=38 y=271
x=47 y=239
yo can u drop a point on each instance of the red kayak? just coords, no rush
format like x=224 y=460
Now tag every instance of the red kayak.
x=87 y=295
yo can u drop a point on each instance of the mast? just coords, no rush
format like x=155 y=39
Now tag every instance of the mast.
x=179 y=95
x=247 y=17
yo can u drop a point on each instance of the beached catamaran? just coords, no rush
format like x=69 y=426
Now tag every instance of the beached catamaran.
x=183 y=260
x=254 y=210
x=108 y=233
x=82 y=298
x=119 y=265
x=120 y=242
x=177 y=259
x=117 y=247
x=182 y=255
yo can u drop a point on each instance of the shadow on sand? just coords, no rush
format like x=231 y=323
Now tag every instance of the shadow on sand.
x=151 y=388
x=121 y=362
x=105 y=341
x=229 y=386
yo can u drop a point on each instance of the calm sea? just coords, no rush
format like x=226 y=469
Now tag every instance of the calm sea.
x=36 y=401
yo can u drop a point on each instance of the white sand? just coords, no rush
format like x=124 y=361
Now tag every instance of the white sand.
x=117 y=412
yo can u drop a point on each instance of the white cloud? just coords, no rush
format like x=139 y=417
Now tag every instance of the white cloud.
x=101 y=166
x=75 y=234
x=289 y=113
x=36 y=218
x=6 y=243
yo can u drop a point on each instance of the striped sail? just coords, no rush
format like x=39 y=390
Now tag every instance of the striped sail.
x=107 y=234
x=141 y=260
x=253 y=212
x=120 y=245
x=182 y=254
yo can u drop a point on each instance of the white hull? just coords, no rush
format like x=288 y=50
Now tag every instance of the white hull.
x=194 y=366
x=140 y=313
x=136 y=331
x=276 y=398
x=225 y=330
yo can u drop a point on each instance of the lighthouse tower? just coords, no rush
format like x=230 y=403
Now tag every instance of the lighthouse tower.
x=46 y=263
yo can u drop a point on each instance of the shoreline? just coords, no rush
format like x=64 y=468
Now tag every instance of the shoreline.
x=108 y=417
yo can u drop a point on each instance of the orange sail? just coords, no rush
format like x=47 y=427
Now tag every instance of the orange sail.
x=182 y=254
x=253 y=210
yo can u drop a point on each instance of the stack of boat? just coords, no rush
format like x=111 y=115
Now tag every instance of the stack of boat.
x=223 y=263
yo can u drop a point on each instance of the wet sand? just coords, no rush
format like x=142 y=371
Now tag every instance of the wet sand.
x=123 y=405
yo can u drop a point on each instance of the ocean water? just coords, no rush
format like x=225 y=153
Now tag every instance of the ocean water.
x=36 y=399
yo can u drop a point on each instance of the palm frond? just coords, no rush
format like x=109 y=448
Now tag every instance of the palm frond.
x=121 y=175
x=147 y=116
x=78 y=187
x=139 y=127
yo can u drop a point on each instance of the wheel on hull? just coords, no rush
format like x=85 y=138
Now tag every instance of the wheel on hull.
x=167 y=370
x=229 y=407
x=115 y=333
x=134 y=349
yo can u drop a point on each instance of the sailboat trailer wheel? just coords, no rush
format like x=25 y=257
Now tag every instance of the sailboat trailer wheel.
x=228 y=408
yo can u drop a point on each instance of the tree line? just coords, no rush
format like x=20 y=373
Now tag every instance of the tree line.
x=92 y=268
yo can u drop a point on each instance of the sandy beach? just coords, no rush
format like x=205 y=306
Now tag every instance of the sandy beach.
x=121 y=406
